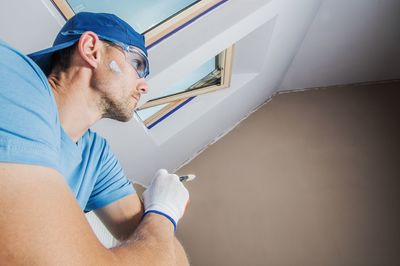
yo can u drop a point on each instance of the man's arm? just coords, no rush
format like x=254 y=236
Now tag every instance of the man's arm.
x=41 y=224
x=123 y=217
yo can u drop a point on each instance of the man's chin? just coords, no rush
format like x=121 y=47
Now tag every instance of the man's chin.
x=126 y=118
x=120 y=117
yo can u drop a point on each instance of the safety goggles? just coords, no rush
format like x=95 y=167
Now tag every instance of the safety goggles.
x=135 y=56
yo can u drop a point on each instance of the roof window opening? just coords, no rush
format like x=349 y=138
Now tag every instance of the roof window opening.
x=215 y=74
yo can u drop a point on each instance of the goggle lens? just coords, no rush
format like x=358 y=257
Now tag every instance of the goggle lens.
x=138 y=61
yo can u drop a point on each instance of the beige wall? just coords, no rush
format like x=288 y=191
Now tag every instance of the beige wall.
x=311 y=178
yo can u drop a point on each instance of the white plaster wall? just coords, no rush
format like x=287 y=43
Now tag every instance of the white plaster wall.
x=29 y=25
x=349 y=41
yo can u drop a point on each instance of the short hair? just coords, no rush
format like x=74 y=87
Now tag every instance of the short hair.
x=61 y=59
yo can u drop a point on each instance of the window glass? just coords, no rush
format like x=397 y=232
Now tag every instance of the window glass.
x=142 y=15
x=181 y=86
x=194 y=77
x=148 y=112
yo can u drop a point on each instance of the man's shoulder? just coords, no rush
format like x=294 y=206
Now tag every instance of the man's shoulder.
x=25 y=91
x=16 y=68
x=29 y=123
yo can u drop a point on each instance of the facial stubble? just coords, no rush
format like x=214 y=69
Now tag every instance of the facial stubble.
x=112 y=106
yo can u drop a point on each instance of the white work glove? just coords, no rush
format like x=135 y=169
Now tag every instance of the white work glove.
x=166 y=196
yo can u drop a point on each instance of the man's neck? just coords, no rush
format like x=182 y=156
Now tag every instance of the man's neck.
x=76 y=104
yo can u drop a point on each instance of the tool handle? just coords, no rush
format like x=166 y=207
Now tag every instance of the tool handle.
x=186 y=178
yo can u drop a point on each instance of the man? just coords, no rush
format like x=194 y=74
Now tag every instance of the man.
x=52 y=166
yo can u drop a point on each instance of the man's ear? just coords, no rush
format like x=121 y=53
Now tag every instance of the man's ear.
x=89 y=48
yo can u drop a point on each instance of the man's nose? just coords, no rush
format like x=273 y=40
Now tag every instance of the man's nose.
x=143 y=87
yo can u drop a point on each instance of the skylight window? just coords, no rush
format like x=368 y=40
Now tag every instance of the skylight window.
x=213 y=75
x=156 y=19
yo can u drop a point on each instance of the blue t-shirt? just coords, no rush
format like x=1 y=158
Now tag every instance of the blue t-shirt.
x=31 y=133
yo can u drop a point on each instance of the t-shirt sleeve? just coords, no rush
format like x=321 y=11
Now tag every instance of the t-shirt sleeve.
x=111 y=184
x=29 y=125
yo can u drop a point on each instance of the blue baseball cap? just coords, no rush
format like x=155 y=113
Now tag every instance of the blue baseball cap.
x=107 y=26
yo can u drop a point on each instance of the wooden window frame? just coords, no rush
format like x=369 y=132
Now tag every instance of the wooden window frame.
x=174 y=101
x=166 y=28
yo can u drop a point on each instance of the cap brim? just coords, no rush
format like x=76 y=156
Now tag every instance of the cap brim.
x=43 y=57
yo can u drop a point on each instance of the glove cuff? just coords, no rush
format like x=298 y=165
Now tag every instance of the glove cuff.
x=163 y=214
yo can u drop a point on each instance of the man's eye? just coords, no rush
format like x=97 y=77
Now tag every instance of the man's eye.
x=136 y=64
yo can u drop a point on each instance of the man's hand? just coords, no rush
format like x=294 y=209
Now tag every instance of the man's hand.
x=166 y=196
